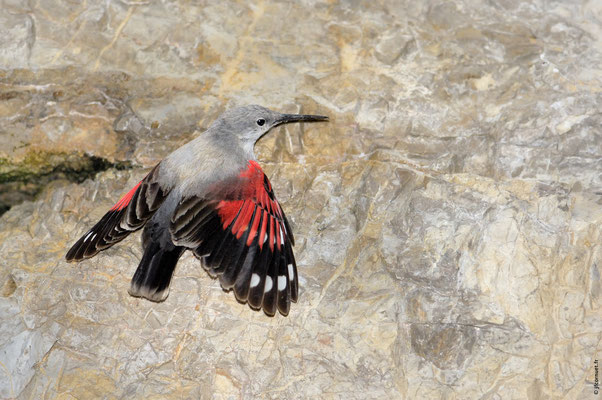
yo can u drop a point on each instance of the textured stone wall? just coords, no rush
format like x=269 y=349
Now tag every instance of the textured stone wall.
x=448 y=218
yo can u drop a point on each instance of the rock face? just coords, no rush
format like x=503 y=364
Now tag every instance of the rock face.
x=448 y=218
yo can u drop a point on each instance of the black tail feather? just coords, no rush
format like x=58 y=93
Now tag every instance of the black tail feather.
x=153 y=276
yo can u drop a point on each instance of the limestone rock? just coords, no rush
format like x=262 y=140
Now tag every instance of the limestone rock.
x=447 y=218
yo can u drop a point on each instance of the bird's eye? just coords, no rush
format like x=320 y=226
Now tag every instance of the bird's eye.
x=260 y=121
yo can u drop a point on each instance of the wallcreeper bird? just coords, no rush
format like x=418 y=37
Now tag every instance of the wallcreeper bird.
x=209 y=196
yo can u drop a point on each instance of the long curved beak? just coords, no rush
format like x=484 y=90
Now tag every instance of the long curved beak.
x=286 y=118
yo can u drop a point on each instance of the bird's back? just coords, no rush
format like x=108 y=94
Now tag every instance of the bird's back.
x=202 y=162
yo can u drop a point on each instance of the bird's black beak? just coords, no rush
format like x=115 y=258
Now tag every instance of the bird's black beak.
x=286 y=118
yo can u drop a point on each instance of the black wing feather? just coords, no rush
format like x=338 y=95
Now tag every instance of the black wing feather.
x=242 y=264
x=125 y=217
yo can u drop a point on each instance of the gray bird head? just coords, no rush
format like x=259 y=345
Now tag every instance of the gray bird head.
x=249 y=123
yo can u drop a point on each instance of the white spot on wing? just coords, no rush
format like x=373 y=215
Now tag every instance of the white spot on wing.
x=255 y=280
x=265 y=237
x=87 y=236
x=268 y=284
x=291 y=272
x=281 y=237
x=93 y=236
x=281 y=282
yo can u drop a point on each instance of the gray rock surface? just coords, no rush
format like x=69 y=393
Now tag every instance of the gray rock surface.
x=447 y=218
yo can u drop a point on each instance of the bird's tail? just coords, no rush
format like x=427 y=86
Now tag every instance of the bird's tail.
x=153 y=276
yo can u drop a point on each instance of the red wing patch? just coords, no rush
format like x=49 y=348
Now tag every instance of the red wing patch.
x=258 y=193
x=241 y=233
x=125 y=200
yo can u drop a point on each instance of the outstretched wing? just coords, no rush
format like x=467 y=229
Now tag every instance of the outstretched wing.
x=241 y=234
x=129 y=214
